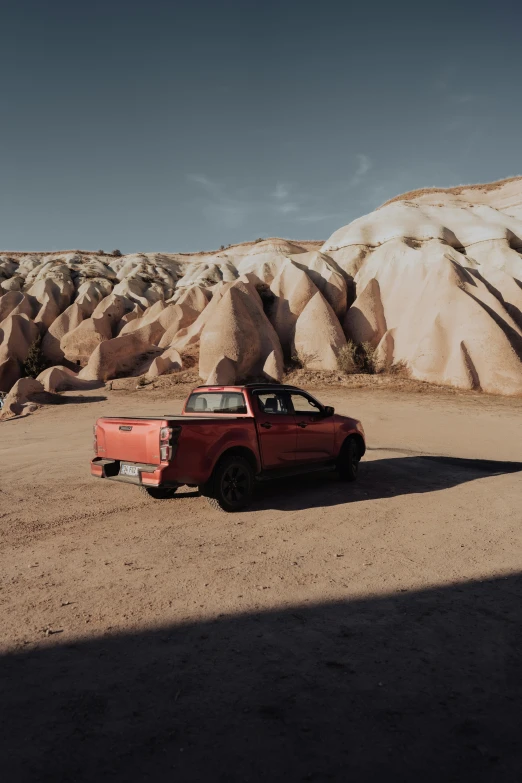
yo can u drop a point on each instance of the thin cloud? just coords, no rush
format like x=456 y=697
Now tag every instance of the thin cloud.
x=364 y=166
x=288 y=207
x=281 y=192
x=208 y=185
x=221 y=208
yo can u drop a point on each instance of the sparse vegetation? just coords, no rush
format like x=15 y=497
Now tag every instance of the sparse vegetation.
x=117 y=253
x=357 y=358
x=399 y=369
x=35 y=362
x=294 y=363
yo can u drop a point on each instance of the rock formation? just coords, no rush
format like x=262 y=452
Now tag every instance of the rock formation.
x=431 y=280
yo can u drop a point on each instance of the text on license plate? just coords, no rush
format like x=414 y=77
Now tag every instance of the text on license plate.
x=128 y=470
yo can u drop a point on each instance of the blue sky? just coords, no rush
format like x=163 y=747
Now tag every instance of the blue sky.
x=179 y=126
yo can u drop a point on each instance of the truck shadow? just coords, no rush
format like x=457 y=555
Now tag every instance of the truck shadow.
x=379 y=478
x=423 y=685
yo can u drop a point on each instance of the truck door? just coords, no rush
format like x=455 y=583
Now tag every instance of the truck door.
x=315 y=434
x=276 y=429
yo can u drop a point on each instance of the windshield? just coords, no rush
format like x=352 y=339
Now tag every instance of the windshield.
x=216 y=402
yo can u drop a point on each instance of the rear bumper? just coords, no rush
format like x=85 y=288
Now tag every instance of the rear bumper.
x=148 y=475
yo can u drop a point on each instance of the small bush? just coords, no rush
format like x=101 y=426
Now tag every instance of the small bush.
x=400 y=369
x=36 y=361
x=117 y=253
x=357 y=358
x=294 y=363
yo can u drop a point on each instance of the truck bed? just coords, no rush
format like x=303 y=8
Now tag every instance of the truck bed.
x=194 y=442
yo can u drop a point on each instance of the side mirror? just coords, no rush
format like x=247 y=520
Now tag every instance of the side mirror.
x=328 y=411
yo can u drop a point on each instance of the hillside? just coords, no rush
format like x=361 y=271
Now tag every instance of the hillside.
x=432 y=281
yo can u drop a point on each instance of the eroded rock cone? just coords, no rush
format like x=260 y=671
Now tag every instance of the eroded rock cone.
x=238 y=339
x=60 y=379
x=319 y=337
x=293 y=289
x=120 y=355
x=15 y=303
x=365 y=321
x=79 y=344
x=24 y=392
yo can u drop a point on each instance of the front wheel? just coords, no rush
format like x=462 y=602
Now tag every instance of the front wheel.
x=231 y=486
x=348 y=461
x=158 y=493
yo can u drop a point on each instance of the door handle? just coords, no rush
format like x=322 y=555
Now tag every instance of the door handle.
x=302 y=424
x=266 y=425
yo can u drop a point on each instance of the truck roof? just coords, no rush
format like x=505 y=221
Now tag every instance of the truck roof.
x=240 y=386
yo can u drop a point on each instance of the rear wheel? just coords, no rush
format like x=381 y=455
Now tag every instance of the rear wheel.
x=348 y=461
x=231 y=486
x=158 y=493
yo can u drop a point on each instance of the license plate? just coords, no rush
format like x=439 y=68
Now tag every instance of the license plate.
x=129 y=470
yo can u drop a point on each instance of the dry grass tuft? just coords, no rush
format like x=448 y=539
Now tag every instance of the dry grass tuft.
x=357 y=358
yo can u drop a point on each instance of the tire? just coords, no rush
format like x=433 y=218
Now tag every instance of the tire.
x=231 y=485
x=158 y=493
x=348 y=461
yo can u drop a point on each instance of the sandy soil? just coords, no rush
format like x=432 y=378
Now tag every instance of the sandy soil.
x=331 y=632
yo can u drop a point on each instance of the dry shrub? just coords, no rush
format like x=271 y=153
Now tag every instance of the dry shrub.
x=35 y=362
x=400 y=370
x=354 y=358
x=299 y=360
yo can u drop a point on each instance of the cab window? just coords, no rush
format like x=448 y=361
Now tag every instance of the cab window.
x=272 y=403
x=303 y=404
x=216 y=402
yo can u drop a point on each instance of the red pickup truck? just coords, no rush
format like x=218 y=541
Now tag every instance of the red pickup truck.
x=226 y=438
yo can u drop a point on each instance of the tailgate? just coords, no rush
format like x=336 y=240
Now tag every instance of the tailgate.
x=131 y=440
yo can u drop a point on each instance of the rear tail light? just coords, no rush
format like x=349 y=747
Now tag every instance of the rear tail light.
x=165 y=452
x=168 y=441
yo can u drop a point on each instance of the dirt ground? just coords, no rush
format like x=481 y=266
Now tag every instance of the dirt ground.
x=331 y=632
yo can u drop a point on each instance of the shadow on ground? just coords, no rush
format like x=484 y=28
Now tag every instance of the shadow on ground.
x=411 y=686
x=379 y=478
x=48 y=398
